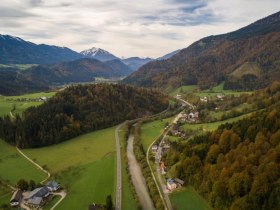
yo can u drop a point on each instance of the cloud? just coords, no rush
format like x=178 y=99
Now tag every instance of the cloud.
x=128 y=28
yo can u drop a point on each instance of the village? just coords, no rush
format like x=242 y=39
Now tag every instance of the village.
x=158 y=149
x=36 y=198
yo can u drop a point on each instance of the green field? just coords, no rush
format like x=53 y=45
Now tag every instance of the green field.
x=214 y=125
x=85 y=166
x=184 y=89
x=128 y=202
x=14 y=167
x=8 y=102
x=151 y=130
x=188 y=199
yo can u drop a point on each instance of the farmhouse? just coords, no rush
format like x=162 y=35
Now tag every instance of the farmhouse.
x=52 y=186
x=171 y=185
x=16 y=198
x=36 y=197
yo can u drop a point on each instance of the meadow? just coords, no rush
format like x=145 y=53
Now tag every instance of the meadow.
x=8 y=103
x=85 y=166
x=187 y=198
x=14 y=167
x=151 y=130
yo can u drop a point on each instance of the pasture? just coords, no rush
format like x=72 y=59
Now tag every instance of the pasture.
x=188 y=198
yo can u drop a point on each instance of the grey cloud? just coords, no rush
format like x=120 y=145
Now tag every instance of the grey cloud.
x=13 y=13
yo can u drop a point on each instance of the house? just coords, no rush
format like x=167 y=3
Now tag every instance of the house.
x=36 y=197
x=162 y=168
x=178 y=96
x=220 y=96
x=179 y=182
x=154 y=148
x=204 y=99
x=193 y=115
x=43 y=98
x=52 y=186
x=171 y=185
x=16 y=198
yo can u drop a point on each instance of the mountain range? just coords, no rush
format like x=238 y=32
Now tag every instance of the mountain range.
x=245 y=59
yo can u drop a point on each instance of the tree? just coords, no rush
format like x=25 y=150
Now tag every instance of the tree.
x=32 y=185
x=22 y=184
x=109 y=203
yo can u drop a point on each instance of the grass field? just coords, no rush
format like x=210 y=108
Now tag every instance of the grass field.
x=84 y=165
x=151 y=130
x=214 y=125
x=14 y=167
x=8 y=102
x=188 y=199
x=184 y=89
x=128 y=202
x=18 y=66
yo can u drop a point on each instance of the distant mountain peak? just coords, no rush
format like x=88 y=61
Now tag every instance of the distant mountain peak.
x=98 y=54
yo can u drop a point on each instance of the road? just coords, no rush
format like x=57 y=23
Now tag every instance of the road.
x=62 y=194
x=119 y=170
x=166 y=200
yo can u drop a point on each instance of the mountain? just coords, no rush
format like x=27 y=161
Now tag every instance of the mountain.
x=248 y=58
x=119 y=67
x=98 y=54
x=13 y=82
x=81 y=70
x=14 y=50
x=135 y=63
x=169 y=55
x=80 y=109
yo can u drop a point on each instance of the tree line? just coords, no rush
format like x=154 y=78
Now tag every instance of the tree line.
x=77 y=110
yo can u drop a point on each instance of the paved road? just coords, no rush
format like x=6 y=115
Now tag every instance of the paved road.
x=119 y=170
x=166 y=201
x=137 y=177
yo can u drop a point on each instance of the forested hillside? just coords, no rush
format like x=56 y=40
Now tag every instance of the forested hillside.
x=236 y=167
x=80 y=109
x=214 y=59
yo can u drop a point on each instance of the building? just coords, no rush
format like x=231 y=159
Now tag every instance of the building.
x=179 y=182
x=204 y=99
x=52 y=186
x=16 y=198
x=154 y=148
x=171 y=185
x=36 y=197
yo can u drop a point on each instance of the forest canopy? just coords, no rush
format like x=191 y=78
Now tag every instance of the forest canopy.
x=80 y=109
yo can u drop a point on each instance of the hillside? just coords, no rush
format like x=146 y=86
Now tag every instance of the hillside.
x=237 y=166
x=212 y=59
x=81 y=70
x=135 y=63
x=14 y=50
x=120 y=68
x=14 y=83
x=80 y=109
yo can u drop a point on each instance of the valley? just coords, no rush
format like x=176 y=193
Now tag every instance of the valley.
x=197 y=128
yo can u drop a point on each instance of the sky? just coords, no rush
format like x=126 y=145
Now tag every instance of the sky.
x=126 y=28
